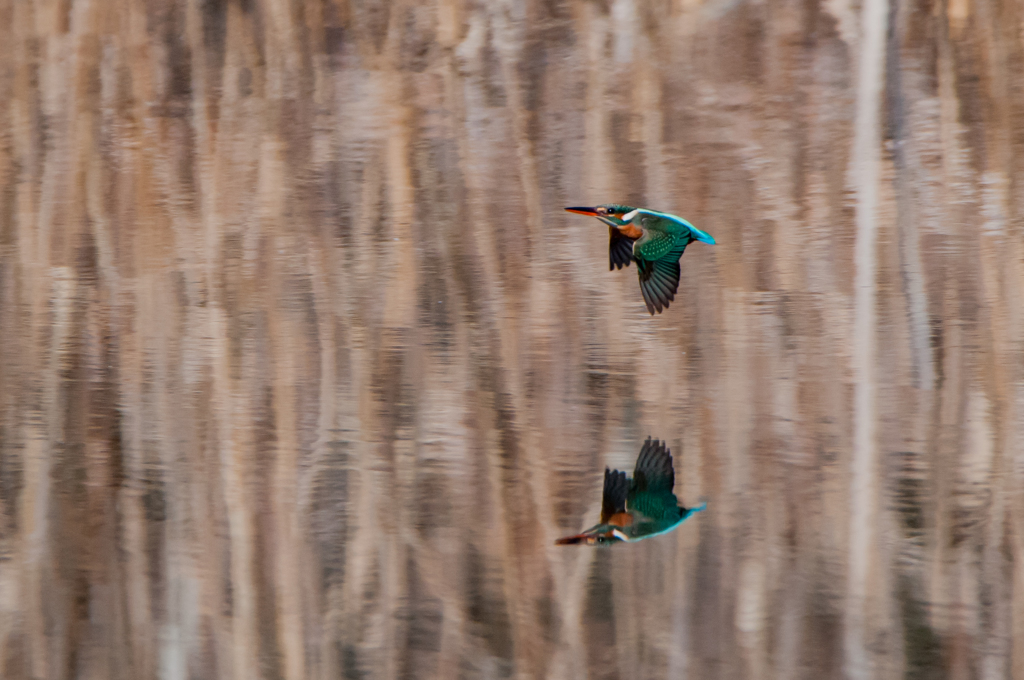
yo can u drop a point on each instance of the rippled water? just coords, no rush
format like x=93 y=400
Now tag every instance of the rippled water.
x=304 y=368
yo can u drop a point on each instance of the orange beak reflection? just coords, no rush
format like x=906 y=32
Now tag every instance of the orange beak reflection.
x=586 y=539
x=593 y=538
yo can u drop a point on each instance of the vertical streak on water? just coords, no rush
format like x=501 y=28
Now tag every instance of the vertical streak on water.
x=863 y=491
x=597 y=179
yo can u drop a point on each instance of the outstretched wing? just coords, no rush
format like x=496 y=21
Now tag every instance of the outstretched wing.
x=616 y=488
x=653 y=480
x=620 y=249
x=659 y=279
x=654 y=471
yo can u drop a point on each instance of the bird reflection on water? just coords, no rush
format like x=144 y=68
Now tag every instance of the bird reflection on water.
x=637 y=508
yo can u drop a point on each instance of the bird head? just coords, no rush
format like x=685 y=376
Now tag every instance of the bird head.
x=594 y=537
x=612 y=214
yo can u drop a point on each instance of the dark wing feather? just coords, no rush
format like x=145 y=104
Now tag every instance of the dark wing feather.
x=650 y=494
x=654 y=471
x=659 y=279
x=616 y=488
x=620 y=249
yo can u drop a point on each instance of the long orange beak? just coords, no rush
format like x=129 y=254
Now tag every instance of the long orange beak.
x=583 y=211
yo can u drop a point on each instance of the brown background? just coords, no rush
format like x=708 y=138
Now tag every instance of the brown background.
x=303 y=368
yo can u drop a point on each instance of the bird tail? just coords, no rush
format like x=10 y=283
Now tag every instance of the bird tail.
x=695 y=509
x=701 y=236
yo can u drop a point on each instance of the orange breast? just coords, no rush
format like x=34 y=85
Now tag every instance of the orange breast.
x=621 y=519
x=631 y=231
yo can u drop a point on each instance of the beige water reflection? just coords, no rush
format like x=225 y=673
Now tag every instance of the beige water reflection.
x=304 y=368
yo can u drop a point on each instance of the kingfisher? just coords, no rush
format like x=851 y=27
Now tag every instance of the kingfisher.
x=641 y=507
x=654 y=240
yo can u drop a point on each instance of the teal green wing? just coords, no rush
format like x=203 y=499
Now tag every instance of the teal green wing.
x=659 y=279
x=654 y=245
x=650 y=492
x=654 y=471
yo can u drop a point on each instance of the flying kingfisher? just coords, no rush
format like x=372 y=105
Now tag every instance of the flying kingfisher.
x=654 y=240
x=637 y=508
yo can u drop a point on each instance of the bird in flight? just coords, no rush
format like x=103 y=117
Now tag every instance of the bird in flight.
x=637 y=508
x=654 y=240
